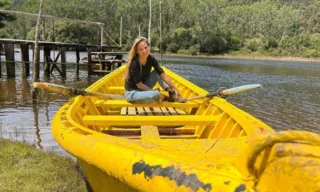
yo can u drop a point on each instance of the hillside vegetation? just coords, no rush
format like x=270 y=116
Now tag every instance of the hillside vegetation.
x=269 y=27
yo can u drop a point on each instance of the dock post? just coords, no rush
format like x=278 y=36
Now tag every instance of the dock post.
x=78 y=59
x=10 y=63
x=90 y=70
x=25 y=60
x=63 y=62
x=46 y=68
x=35 y=63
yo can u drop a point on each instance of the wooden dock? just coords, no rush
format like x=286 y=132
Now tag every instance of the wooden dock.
x=102 y=65
x=50 y=64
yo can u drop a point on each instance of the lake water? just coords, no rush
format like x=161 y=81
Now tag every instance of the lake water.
x=289 y=99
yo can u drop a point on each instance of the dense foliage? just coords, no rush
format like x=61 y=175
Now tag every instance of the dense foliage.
x=4 y=4
x=266 y=27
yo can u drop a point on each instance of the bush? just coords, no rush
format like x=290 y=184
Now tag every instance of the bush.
x=315 y=41
x=184 y=52
x=254 y=44
x=310 y=53
x=235 y=43
x=274 y=52
x=215 y=44
x=183 y=37
x=283 y=52
x=295 y=43
x=3 y=34
x=194 y=49
x=173 y=48
x=242 y=51
x=271 y=43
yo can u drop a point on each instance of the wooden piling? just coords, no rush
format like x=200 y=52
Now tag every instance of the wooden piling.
x=47 y=60
x=36 y=59
x=63 y=61
x=78 y=61
x=54 y=64
x=36 y=67
x=10 y=62
x=90 y=70
x=51 y=64
x=25 y=60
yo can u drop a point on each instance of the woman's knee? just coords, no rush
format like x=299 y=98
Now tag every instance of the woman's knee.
x=144 y=97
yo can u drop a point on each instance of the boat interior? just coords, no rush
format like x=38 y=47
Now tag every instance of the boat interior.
x=204 y=118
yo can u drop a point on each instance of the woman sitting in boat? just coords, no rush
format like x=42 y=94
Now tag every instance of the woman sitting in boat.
x=140 y=80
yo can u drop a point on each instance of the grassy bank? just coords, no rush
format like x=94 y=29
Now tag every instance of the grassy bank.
x=249 y=57
x=257 y=56
x=24 y=168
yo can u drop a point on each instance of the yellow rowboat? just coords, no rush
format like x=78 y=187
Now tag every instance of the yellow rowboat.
x=206 y=144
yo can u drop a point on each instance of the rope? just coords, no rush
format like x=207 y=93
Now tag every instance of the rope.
x=109 y=36
x=279 y=137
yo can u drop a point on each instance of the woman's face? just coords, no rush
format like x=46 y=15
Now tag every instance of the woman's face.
x=143 y=49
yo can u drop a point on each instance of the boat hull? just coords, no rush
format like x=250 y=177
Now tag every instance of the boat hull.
x=210 y=146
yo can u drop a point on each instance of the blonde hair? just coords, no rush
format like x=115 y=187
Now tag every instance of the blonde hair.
x=133 y=53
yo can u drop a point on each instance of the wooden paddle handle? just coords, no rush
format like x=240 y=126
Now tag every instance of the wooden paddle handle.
x=40 y=85
x=223 y=92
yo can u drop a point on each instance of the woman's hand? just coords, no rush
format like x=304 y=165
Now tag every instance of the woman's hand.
x=177 y=92
x=179 y=98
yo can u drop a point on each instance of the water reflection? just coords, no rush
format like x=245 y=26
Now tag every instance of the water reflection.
x=12 y=91
x=36 y=124
x=290 y=98
x=25 y=91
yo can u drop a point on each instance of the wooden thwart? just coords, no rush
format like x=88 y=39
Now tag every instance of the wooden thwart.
x=151 y=111
x=123 y=103
x=132 y=111
x=148 y=111
x=163 y=131
x=149 y=132
x=106 y=120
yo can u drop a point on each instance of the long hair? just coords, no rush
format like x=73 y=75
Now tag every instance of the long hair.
x=133 y=53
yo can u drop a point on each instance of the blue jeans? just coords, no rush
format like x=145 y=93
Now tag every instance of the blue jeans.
x=140 y=96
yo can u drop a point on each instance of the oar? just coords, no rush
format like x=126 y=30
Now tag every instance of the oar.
x=73 y=91
x=223 y=92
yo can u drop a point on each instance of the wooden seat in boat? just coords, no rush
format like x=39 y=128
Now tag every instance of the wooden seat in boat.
x=170 y=120
x=151 y=111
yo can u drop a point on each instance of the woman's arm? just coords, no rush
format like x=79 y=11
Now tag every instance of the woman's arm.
x=168 y=80
x=142 y=86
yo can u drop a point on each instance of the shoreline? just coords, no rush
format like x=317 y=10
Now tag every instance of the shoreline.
x=248 y=57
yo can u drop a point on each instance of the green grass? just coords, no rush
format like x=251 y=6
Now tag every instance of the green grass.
x=24 y=168
x=250 y=56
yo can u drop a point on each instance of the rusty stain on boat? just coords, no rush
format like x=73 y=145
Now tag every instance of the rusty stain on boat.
x=181 y=178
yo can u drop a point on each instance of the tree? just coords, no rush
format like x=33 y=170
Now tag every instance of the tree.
x=213 y=26
x=4 y=4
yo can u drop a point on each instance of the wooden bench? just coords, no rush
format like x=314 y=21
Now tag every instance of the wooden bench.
x=148 y=120
x=107 y=120
x=151 y=111
x=164 y=108
x=123 y=103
